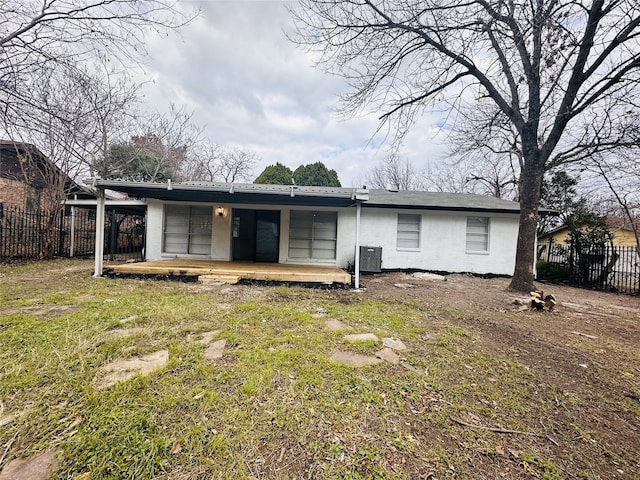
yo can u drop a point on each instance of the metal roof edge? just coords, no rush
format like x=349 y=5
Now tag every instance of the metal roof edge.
x=232 y=188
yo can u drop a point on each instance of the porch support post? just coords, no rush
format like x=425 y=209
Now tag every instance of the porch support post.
x=357 y=256
x=99 y=247
x=72 y=241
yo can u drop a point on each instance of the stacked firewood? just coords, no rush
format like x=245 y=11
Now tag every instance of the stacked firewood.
x=539 y=301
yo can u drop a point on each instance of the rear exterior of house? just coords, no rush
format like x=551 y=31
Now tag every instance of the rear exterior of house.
x=327 y=226
x=476 y=242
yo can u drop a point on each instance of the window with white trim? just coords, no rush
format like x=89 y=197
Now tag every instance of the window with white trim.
x=312 y=234
x=478 y=234
x=408 y=235
x=187 y=229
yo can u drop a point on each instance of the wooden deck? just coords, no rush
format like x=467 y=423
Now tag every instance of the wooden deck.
x=232 y=272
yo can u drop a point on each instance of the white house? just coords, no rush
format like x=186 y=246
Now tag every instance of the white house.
x=327 y=226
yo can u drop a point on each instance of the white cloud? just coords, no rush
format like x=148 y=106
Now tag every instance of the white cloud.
x=250 y=87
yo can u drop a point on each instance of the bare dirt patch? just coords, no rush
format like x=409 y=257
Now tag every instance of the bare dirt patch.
x=584 y=356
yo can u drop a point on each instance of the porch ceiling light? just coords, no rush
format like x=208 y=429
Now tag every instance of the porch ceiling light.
x=220 y=211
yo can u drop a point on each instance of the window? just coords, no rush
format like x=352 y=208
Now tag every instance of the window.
x=187 y=229
x=408 y=231
x=313 y=234
x=478 y=234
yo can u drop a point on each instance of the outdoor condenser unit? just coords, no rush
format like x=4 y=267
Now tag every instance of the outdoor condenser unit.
x=371 y=259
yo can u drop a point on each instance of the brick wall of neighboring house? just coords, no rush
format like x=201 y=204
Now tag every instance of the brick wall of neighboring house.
x=28 y=179
x=12 y=193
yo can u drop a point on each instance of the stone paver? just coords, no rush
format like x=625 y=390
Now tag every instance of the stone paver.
x=215 y=351
x=353 y=359
x=124 y=369
x=388 y=355
x=336 y=325
x=361 y=337
x=394 y=343
x=206 y=337
x=35 y=468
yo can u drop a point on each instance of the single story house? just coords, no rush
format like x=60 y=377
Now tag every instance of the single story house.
x=292 y=224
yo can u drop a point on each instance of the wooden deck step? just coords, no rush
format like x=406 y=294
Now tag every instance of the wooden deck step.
x=228 y=271
x=231 y=279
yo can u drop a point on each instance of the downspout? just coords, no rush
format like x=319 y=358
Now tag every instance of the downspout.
x=357 y=256
x=99 y=247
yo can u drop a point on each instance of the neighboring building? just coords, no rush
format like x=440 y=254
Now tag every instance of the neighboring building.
x=325 y=226
x=620 y=228
x=29 y=180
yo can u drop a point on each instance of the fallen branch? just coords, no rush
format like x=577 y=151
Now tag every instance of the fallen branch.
x=6 y=450
x=502 y=430
x=494 y=429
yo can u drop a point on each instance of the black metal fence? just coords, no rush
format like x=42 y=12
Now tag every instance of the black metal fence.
x=599 y=267
x=69 y=232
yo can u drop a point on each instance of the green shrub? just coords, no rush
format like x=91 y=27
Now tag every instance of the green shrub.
x=552 y=272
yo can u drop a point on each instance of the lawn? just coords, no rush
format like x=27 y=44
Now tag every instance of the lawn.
x=484 y=390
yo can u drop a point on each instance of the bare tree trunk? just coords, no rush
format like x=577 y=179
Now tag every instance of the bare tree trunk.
x=530 y=183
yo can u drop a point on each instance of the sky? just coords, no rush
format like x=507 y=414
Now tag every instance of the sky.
x=250 y=87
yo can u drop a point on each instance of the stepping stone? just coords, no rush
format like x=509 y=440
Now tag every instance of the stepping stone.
x=393 y=343
x=215 y=351
x=353 y=359
x=388 y=355
x=38 y=467
x=403 y=286
x=361 y=337
x=121 y=370
x=208 y=336
x=336 y=325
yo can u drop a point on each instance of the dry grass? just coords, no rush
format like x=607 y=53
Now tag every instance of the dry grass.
x=274 y=406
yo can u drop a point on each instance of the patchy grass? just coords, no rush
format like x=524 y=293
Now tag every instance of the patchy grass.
x=275 y=406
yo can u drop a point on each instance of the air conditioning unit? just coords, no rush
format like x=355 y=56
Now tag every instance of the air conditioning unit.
x=371 y=259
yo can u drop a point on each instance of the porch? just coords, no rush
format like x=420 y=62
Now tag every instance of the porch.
x=232 y=272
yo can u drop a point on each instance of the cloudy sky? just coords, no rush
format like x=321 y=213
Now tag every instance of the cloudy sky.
x=251 y=87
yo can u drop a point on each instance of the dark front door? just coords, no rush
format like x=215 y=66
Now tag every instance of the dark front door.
x=256 y=235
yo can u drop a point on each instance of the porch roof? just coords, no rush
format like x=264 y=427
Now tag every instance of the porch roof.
x=236 y=193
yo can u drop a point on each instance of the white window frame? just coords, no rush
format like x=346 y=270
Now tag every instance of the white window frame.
x=194 y=230
x=311 y=237
x=478 y=235
x=408 y=233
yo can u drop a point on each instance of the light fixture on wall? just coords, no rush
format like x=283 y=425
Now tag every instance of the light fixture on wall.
x=220 y=211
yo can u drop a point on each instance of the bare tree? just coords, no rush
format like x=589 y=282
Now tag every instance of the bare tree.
x=237 y=164
x=157 y=150
x=212 y=162
x=36 y=35
x=562 y=73
x=395 y=174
